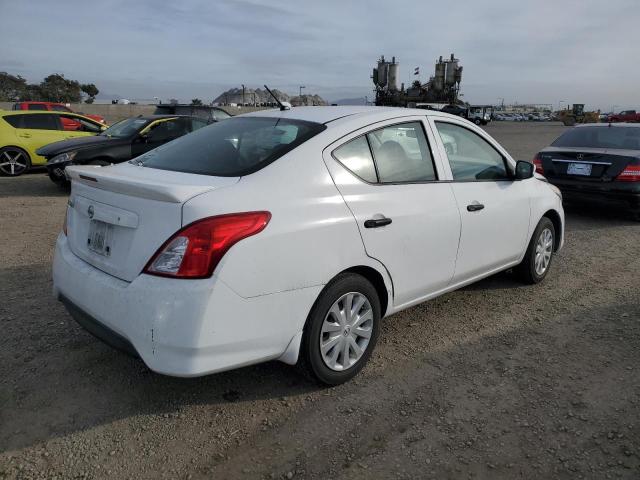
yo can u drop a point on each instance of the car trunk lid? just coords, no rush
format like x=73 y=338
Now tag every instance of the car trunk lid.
x=119 y=216
x=589 y=164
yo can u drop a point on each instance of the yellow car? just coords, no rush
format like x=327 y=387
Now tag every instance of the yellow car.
x=23 y=132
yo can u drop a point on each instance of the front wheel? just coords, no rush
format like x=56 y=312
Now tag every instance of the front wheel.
x=537 y=260
x=14 y=161
x=342 y=330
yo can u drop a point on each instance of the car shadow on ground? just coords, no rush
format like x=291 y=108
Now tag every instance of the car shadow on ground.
x=57 y=379
x=593 y=216
x=32 y=184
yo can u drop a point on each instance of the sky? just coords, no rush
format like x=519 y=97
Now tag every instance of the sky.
x=545 y=51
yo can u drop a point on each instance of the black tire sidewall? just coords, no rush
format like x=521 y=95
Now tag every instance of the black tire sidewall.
x=26 y=155
x=312 y=357
x=531 y=251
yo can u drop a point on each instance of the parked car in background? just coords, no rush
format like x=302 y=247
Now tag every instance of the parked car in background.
x=455 y=110
x=596 y=162
x=479 y=114
x=22 y=133
x=190 y=255
x=120 y=142
x=206 y=112
x=68 y=124
x=625 y=116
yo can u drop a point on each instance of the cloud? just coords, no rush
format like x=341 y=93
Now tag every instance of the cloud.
x=523 y=51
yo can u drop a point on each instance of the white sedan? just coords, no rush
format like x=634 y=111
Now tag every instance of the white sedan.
x=290 y=234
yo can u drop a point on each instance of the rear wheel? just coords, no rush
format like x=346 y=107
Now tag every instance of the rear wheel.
x=14 y=161
x=342 y=330
x=537 y=261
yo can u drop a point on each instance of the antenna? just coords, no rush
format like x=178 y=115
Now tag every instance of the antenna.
x=282 y=106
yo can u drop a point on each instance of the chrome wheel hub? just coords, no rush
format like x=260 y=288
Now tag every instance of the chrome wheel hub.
x=544 y=250
x=346 y=331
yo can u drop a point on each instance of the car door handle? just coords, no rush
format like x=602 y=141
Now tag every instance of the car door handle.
x=474 y=207
x=25 y=135
x=377 y=222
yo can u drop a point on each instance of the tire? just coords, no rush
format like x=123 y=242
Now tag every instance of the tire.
x=477 y=121
x=14 y=161
x=530 y=270
x=326 y=324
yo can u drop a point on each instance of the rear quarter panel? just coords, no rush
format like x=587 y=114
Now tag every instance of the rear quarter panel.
x=312 y=235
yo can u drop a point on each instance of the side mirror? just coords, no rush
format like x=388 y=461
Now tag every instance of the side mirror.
x=524 y=170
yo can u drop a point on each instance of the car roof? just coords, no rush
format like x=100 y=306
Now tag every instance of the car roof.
x=329 y=114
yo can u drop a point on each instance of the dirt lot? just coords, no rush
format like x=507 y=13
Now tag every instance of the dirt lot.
x=497 y=380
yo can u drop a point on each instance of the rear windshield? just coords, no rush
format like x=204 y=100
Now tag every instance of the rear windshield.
x=627 y=138
x=238 y=146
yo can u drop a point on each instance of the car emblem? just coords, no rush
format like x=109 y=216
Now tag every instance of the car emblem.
x=580 y=156
x=90 y=211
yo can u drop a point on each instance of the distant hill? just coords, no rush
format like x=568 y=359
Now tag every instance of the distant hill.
x=251 y=96
x=259 y=96
x=350 y=101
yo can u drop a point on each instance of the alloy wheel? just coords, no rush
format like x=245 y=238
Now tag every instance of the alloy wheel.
x=544 y=250
x=13 y=162
x=346 y=331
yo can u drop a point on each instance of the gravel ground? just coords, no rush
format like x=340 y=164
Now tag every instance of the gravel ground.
x=497 y=380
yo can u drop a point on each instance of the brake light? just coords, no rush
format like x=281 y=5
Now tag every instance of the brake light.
x=196 y=250
x=630 y=174
x=537 y=161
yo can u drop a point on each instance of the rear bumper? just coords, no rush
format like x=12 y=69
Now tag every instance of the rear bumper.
x=626 y=194
x=181 y=328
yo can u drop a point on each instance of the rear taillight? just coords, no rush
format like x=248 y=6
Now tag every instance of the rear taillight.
x=194 y=251
x=538 y=164
x=630 y=174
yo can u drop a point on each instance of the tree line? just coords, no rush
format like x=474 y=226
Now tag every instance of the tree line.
x=54 y=88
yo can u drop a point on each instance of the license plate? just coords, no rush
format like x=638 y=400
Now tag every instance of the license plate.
x=579 y=169
x=99 y=240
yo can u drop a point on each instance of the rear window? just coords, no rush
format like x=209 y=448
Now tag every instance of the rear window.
x=238 y=146
x=627 y=138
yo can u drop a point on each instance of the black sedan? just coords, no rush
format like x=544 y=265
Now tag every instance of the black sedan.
x=120 y=142
x=598 y=162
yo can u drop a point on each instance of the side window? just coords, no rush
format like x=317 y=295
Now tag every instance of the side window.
x=471 y=157
x=197 y=123
x=59 y=108
x=36 y=106
x=81 y=125
x=169 y=129
x=14 y=120
x=41 y=122
x=356 y=157
x=402 y=154
x=220 y=115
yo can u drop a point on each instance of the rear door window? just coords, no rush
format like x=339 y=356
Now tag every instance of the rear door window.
x=402 y=154
x=236 y=147
x=36 y=106
x=35 y=122
x=356 y=157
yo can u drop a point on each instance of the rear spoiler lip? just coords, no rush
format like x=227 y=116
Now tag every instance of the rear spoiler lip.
x=103 y=179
